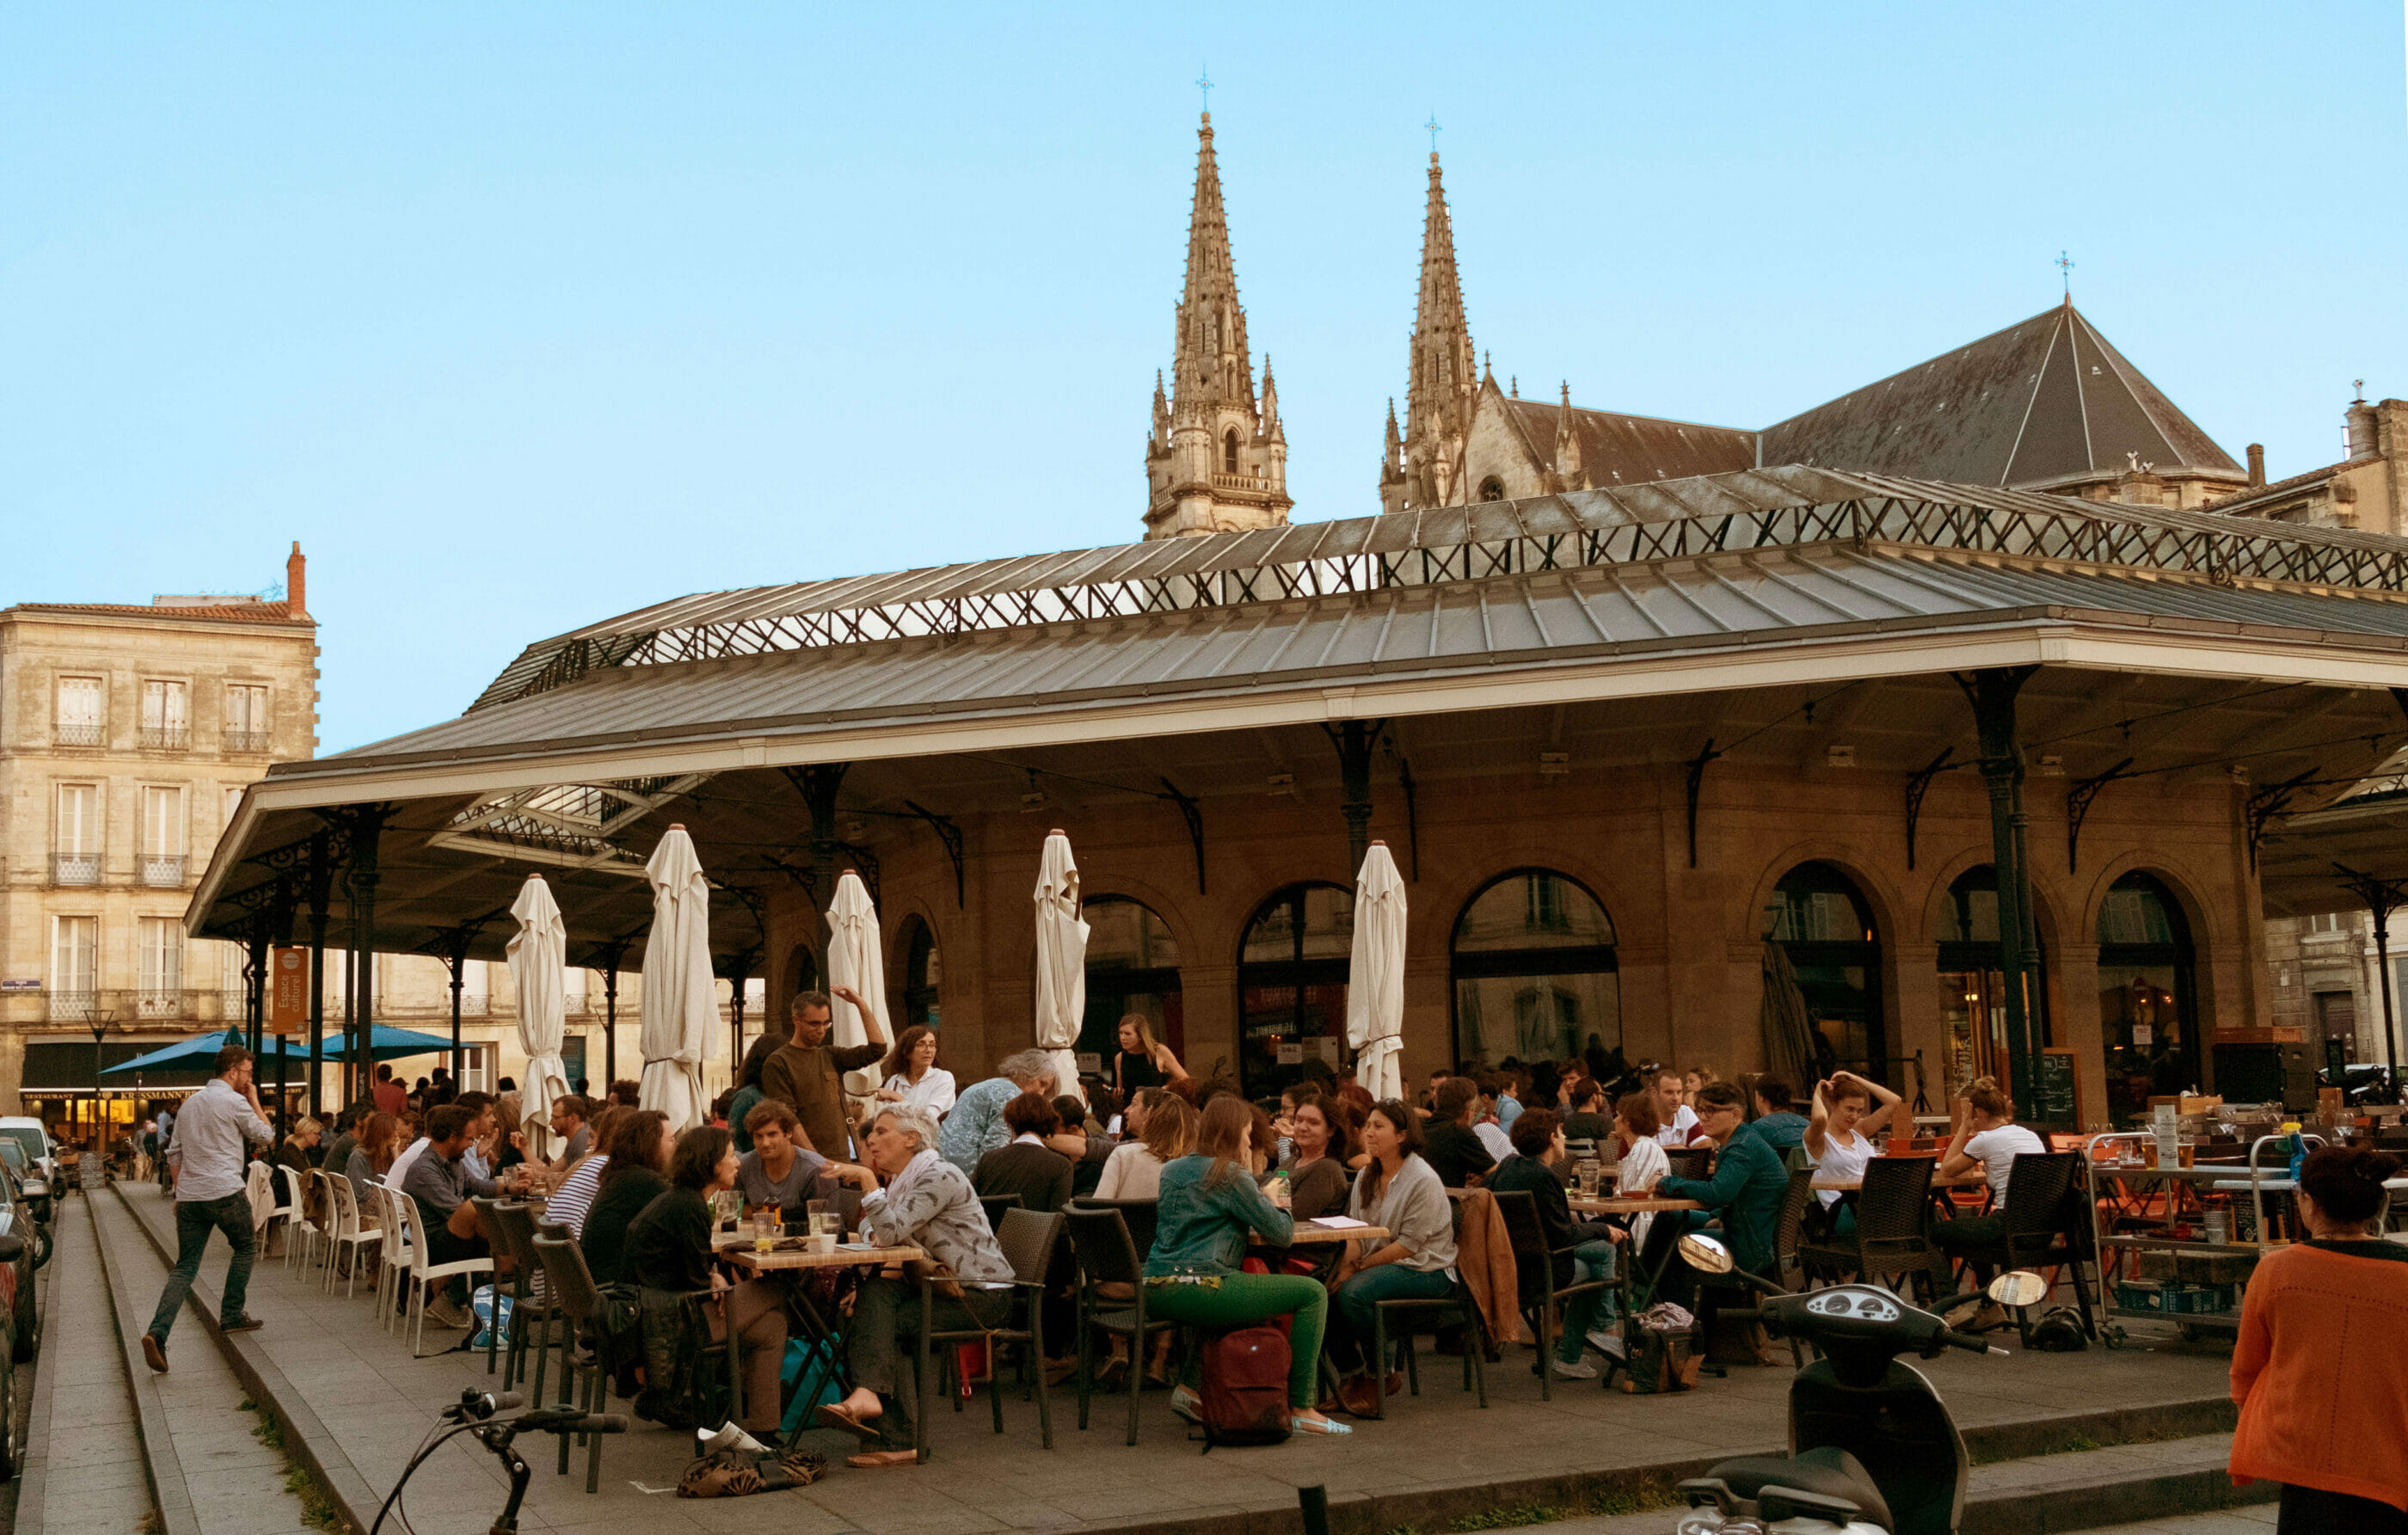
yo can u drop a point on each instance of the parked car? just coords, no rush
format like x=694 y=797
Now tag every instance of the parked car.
x=19 y=1230
x=37 y=1196
x=35 y=1137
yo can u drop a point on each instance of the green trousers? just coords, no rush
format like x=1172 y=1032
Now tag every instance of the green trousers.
x=1242 y=1299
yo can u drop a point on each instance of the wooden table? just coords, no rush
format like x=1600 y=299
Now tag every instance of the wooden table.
x=792 y=1262
x=843 y=1257
x=1309 y=1235
x=1633 y=1204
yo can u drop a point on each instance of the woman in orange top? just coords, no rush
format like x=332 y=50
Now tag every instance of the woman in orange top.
x=2321 y=1369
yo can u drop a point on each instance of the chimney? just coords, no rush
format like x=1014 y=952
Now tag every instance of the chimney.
x=2359 y=434
x=2257 y=464
x=295 y=583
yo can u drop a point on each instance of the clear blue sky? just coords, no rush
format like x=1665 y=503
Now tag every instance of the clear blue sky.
x=519 y=316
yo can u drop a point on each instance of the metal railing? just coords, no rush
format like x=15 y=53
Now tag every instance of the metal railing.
x=79 y=734
x=166 y=738
x=74 y=1007
x=160 y=1004
x=68 y=869
x=162 y=870
x=248 y=741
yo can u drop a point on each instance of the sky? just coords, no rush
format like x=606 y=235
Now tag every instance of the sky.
x=521 y=316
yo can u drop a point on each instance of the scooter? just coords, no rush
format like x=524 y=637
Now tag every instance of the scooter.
x=1872 y=1450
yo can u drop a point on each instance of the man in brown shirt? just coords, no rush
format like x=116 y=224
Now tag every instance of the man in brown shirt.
x=807 y=1072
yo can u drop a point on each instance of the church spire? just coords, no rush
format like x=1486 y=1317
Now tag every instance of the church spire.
x=1224 y=465
x=1441 y=377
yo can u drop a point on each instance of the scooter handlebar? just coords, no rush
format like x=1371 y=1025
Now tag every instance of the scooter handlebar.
x=1965 y=1340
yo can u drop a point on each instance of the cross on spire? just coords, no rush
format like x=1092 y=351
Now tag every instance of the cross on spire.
x=2064 y=264
x=1204 y=84
x=1432 y=128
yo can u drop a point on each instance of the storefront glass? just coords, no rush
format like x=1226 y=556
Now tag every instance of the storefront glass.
x=1291 y=986
x=2145 y=996
x=1535 y=976
x=1972 y=988
x=1132 y=968
x=1827 y=927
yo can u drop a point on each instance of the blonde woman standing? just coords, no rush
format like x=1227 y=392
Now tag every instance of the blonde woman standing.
x=1141 y=1062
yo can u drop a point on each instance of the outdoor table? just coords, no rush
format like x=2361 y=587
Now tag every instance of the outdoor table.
x=788 y=1263
x=1309 y=1235
x=1633 y=1204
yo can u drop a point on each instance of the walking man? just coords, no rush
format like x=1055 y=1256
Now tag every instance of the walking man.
x=209 y=1156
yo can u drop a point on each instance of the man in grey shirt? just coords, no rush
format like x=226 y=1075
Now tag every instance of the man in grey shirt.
x=440 y=1188
x=211 y=1154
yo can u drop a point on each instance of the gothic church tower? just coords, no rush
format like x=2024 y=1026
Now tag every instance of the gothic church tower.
x=1217 y=460
x=1440 y=384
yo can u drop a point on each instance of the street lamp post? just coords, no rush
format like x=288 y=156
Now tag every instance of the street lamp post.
x=99 y=1023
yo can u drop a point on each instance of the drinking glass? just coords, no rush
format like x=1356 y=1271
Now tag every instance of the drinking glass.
x=823 y=1217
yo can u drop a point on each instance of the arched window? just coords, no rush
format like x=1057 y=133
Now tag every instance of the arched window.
x=1492 y=489
x=923 y=975
x=1230 y=453
x=1973 y=986
x=1132 y=967
x=1292 y=986
x=1535 y=977
x=1826 y=925
x=2144 y=994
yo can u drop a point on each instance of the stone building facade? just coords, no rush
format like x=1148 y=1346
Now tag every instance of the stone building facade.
x=127 y=736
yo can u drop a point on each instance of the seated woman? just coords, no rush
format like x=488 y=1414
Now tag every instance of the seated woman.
x=378 y=1143
x=1638 y=1116
x=913 y=1076
x=638 y=1150
x=927 y=1203
x=1839 y=1132
x=1983 y=1133
x=1416 y=1261
x=1316 y=1173
x=1538 y=1152
x=1209 y=1201
x=668 y=1246
x=573 y=1200
x=1161 y=1129
x=780 y=1172
x=1743 y=1196
x=1025 y=1164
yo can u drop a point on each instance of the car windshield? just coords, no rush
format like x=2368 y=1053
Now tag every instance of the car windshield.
x=26 y=1137
x=14 y=1155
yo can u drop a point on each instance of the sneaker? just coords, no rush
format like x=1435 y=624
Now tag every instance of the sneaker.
x=1606 y=1342
x=154 y=1353
x=1988 y=1319
x=730 y=1435
x=1187 y=1404
x=443 y=1313
x=246 y=1323
x=1579 y=1369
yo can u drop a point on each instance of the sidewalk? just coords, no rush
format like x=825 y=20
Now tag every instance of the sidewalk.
x=1438 y=1453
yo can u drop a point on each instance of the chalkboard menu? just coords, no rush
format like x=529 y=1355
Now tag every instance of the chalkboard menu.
x=2058 y=1090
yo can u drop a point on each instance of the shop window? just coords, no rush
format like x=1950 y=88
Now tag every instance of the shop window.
x=2146 y=994
x=1292 y=986
x=924 y=977
x=1824 y=922
x=1535 y=976
x=1974 y=987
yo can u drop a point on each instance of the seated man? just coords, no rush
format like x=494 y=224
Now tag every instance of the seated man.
x=1777 y=1119
x=437 y=1185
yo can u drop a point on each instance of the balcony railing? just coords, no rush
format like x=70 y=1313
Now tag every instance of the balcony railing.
x=79 y=734
x=162 y=870
x=159 y=1004
x=166 y=738
x=75 y=869
x=247 y=741
x=74 y=1007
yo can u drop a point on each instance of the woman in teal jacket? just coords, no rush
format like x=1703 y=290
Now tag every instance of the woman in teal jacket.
x=1746 y=1189
x=1209 y=1202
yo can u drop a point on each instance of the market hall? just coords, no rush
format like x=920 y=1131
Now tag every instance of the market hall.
x=1617 y=740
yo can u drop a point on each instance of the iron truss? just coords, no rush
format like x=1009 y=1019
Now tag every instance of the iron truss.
x=2023 y=526
x=570 y=825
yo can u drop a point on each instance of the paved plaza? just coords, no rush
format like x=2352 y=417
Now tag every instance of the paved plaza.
x=1432 y=1462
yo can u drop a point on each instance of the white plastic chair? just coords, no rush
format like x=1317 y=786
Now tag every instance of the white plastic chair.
x=300 y=1231
x=393 y=1256
x=421 y=1276
x=345 y=1235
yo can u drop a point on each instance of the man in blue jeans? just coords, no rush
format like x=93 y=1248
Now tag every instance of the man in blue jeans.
x=211 y=1154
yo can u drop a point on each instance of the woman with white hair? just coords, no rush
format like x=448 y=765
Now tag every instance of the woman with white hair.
x=927 y=1203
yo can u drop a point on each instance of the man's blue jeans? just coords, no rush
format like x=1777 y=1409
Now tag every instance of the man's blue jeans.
x=1590 y=1260
x=194 y=1220
x=1350 y=1306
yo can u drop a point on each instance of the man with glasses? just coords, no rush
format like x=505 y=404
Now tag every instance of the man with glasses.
x=1743 y=1196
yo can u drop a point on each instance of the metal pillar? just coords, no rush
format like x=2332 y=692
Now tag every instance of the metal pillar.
x=366 y=829
x=320 y=884
x=352 y=1079
x=610 y=954
x=738 y=970
x=2382 y=898
x=254 y=985
x=458 y=959
x=1992 y=693
x=1354 y=741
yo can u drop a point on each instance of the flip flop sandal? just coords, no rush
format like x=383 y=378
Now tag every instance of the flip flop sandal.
x=875 y=1459
x=1324 y=1424
x=830 y=1415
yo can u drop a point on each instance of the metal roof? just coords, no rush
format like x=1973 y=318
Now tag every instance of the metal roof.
x=1617 y=449
x=1791 y=506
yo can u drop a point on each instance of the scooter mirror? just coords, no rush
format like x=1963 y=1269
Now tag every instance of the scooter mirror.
x=1703 y=1252
x=2019 y=1287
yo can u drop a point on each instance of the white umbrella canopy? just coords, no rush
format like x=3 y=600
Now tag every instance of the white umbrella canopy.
x=679 y=1007
x=855 y=960
x=1375 y=977
x=1061 y=961
x=538 y=951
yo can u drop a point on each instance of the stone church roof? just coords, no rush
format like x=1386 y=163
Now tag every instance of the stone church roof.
x=2046 y=400
x=1620 y=450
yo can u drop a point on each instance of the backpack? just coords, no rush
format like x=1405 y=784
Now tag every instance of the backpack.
x=1245 y=1386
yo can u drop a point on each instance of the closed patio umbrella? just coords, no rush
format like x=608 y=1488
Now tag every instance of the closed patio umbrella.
x=1375 y=977
x=678 y=1005
x=537 y=953
x=853 y=960
x=1788 y=1034
x=1061 y=961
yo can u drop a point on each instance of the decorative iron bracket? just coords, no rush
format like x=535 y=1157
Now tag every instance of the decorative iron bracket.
x=1193 y=813
x=2268 y=803
x=1355 y=740
x=2077 y=809
x=1917 y=785
x=949 y=832
x=1697 y=777
x=1412 y=818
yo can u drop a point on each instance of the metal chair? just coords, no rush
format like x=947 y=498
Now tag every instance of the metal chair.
x=1431 y=1314
x=515 y=1223
x=1108 y=1255
x=573 y=1302
x=2036 y=1233
x=1534 y=1267
x=1027 y=1240
x=1893 y=1229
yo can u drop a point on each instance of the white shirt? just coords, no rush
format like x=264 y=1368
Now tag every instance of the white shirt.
x=1500 y=1144
x=1842 y=1160
x=934 y=1091
x=1996 y=1151
x=1131 y=1172
x=208 y=1152
x=400 y=1168
x=1641 y=1165
x=1685 y=1119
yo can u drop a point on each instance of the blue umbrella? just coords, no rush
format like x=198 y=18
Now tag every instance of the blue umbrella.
x=185 y=1055
x=385 y=1043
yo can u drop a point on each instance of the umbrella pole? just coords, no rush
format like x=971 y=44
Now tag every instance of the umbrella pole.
x=459 y=965
x=611 y=1024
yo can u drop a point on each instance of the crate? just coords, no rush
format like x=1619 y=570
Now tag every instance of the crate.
x=2141 y=1294
x=2225 y=1269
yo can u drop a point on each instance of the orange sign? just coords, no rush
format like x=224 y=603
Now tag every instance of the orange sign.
x=288 y=989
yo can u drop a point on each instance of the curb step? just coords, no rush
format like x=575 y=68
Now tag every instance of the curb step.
x=2088 y=1490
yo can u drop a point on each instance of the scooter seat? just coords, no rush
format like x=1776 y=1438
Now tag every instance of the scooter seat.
x=1827 y=1470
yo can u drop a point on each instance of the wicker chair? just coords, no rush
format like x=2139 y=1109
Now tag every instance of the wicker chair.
x=1027 y=1240
x=2038 y=1234
x=1892 y=1235
x=1109 y=1264
x=994 y=1205
x=515 y=1224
